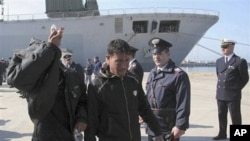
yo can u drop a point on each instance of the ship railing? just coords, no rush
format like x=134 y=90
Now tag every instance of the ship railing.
x=171 y=10
x=168 y=10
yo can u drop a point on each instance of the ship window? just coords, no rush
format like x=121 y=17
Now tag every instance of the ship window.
x=154 y=25
x=118 y=25
x=140 y=26
x=169 y=26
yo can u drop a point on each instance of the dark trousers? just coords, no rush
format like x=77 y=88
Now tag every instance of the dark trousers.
x=151 y=138
x=235 y=113
x=1 y=79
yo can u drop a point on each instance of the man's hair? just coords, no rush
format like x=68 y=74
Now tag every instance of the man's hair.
x=118 y=46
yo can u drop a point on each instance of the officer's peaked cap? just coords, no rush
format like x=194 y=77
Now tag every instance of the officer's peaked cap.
x=67 y=56
x=132 y=49
x=226 y=42
x=158 y=45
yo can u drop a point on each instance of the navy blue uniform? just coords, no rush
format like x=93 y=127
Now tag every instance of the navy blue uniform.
x=136 y=69
x=168 y=93
x=78 y=68
x=232 y=77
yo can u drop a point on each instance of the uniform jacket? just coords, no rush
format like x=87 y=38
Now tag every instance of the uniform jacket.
x=89 y=69
x=232 y=77
x=114 y=105
x=35 y=70
x=170 y=89
x=97 y=67
x=78 y=68
x=137 y=69
x=1 y=69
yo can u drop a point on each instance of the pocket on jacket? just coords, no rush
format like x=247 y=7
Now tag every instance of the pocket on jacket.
x=113 y=127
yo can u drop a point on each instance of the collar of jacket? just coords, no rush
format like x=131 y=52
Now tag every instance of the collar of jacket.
x=64 y=70
x=229 y=63
x=168 y=69
x=105 y=73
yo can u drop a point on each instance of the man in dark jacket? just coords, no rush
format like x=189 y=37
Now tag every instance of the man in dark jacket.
x=1 y=72
x=232 y=74
x=168 y=92
x=69 y=63
x=56 y=95
x=116 y=99
x=134 y=66
x=97 y=65
x=88 y=71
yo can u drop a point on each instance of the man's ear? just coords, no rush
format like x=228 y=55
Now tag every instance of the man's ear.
x=168 y=53
x=107 y=58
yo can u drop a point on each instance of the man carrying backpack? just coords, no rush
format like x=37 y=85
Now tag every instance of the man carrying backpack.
x=56 y=95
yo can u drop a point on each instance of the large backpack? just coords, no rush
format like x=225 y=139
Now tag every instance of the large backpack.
x=37 y=82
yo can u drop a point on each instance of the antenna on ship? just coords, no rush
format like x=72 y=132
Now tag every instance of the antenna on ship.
x=72 y=8
x=2 y=9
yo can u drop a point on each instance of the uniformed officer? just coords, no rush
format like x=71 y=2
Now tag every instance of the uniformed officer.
x=232 y=74
x=69 y=63
x=1 y=71
x=134 y=66
x=168 y=92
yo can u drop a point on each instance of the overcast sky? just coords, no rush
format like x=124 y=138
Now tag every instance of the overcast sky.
x=234 y=22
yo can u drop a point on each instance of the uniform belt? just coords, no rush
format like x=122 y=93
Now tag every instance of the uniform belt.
x=164 y=112
x=167 y=114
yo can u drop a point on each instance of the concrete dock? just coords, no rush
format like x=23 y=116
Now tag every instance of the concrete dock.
x=15 y=124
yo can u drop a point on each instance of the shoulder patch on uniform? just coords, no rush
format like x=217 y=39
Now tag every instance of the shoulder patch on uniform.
x=176 y=70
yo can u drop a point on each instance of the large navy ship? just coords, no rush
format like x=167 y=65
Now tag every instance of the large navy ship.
x=88 y=30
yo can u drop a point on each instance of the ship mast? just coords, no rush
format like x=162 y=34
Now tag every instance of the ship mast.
x=2 y=9
x=71 y=8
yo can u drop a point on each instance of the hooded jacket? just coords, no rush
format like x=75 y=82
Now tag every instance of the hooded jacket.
x=114 y=104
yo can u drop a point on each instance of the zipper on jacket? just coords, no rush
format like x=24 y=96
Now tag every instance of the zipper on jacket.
x=126 y=100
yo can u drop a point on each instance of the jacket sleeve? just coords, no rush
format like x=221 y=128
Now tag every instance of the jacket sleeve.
x=93 y=113
x=80 y=70
x=182 y=101
x=243 y=71
x=147 y=114
x=81 y=109
x=28 y=66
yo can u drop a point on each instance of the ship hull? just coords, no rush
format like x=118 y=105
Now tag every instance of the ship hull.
x=89 y=36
